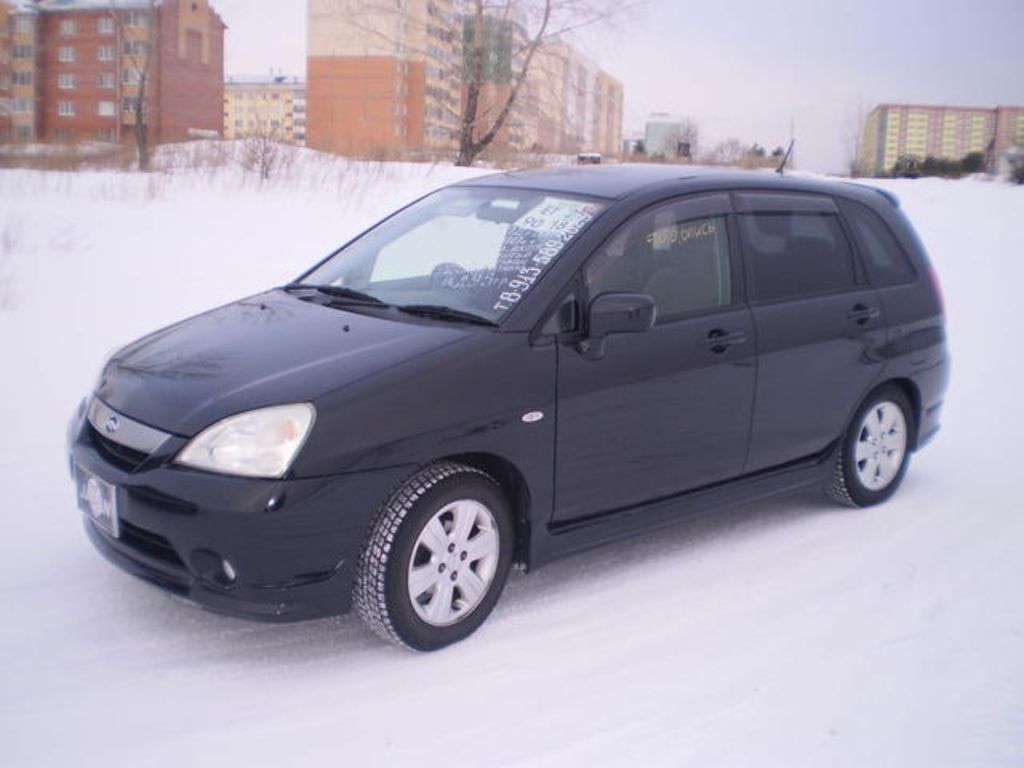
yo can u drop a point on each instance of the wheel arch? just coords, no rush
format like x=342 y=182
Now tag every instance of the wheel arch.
x=513 y=484
x=909 y=389
x=913 y=394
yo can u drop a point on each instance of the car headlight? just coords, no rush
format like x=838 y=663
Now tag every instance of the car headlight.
x=259 y=443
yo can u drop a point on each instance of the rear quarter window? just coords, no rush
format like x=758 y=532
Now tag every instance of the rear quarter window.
x=886 y=262
x=796 y=253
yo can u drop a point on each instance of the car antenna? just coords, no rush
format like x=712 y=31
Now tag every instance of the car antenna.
x=781 y=170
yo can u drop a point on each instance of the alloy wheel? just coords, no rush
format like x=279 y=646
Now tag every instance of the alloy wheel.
x=453 y=562
x=881 y=445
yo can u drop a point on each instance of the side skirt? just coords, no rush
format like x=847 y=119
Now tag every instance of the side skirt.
x=552 y=542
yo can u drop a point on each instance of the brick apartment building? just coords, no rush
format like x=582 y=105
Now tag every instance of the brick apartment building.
x=384 y=83
x=5 y=73
x=381 y=82
x=74 y=69
x=272 y=107
x=894 y=131
x=567 y=104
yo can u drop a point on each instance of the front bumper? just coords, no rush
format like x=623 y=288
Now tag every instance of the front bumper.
x=292 y=545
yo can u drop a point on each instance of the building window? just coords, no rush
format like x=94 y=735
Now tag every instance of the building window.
x=23 y=106
x=105 y=26
x=23 y=52
x=136 y=19
x=106 y=134
x=23 y=77
x=66 y=54
x=131 y=76
x=64 y=134
x=67 y=27
x=106 y=109
x=130 y=105
x=66 y=81
x=105 y=80
x=135 y=48
x=23 y=26
x=105 y=53
x=66 y=108
x=23 y=132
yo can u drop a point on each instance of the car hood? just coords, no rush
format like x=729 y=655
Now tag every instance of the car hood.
x=269 y=349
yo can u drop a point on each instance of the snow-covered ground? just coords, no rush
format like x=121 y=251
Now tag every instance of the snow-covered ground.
x=789 y=633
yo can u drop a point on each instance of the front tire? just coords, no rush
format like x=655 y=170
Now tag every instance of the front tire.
x=875 y=453
x=436 y=559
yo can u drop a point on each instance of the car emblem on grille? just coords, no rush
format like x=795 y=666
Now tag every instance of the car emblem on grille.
x=113 y=424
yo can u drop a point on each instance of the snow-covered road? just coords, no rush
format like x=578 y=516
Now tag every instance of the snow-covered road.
x=789 y=633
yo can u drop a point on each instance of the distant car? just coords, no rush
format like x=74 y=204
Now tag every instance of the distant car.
x=509 y=370
x=589 y=158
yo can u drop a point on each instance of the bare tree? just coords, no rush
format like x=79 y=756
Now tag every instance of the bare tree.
x=135 y=50
x=853 y=139
x=728 y=152
x=262 y=147
x=689 y=134
x=522 y=27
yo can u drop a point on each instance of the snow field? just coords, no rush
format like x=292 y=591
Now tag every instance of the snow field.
x=789 y=633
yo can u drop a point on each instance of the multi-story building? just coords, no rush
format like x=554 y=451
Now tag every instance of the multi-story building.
x=383 y=81
x=1009 y=130
x=662 y=136
x=503 y=42
x=77 y=69
x=5 y=73
x=567 y=104
x=270 y=107
x=894 y=131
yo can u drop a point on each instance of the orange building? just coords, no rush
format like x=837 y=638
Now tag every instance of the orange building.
x=384 y=83
x=380 y=82
x=6 y=102
x=76 y=69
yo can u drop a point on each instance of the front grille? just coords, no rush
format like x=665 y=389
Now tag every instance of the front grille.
x=121 y=456
x=122 y=440
x=149 y=543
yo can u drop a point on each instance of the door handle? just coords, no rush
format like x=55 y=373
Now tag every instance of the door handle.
x=862 y=314
x=719 y=340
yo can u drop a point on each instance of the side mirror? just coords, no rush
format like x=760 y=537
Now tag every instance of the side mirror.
x=616 y=313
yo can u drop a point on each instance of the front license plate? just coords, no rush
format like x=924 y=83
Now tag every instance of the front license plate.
x=98 y=500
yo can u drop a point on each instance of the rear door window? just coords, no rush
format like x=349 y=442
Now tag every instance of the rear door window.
x=796 y=253
x=886 y=262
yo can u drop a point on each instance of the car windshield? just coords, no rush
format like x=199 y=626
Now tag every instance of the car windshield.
x=477 y=251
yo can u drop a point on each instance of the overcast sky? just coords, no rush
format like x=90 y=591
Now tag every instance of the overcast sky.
x=750 y=68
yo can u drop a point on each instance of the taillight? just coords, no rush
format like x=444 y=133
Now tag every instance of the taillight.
x=937 y=286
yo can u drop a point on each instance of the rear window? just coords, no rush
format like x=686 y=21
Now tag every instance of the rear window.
x=795 y=254
x=886 y=262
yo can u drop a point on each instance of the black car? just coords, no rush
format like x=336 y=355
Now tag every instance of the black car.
x=509 y=370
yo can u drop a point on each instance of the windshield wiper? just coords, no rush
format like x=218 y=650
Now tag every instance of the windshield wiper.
x=441 y=312
x=338 y=292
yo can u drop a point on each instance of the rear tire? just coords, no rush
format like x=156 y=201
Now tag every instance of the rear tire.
x=875 y=452
x=436 y=559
